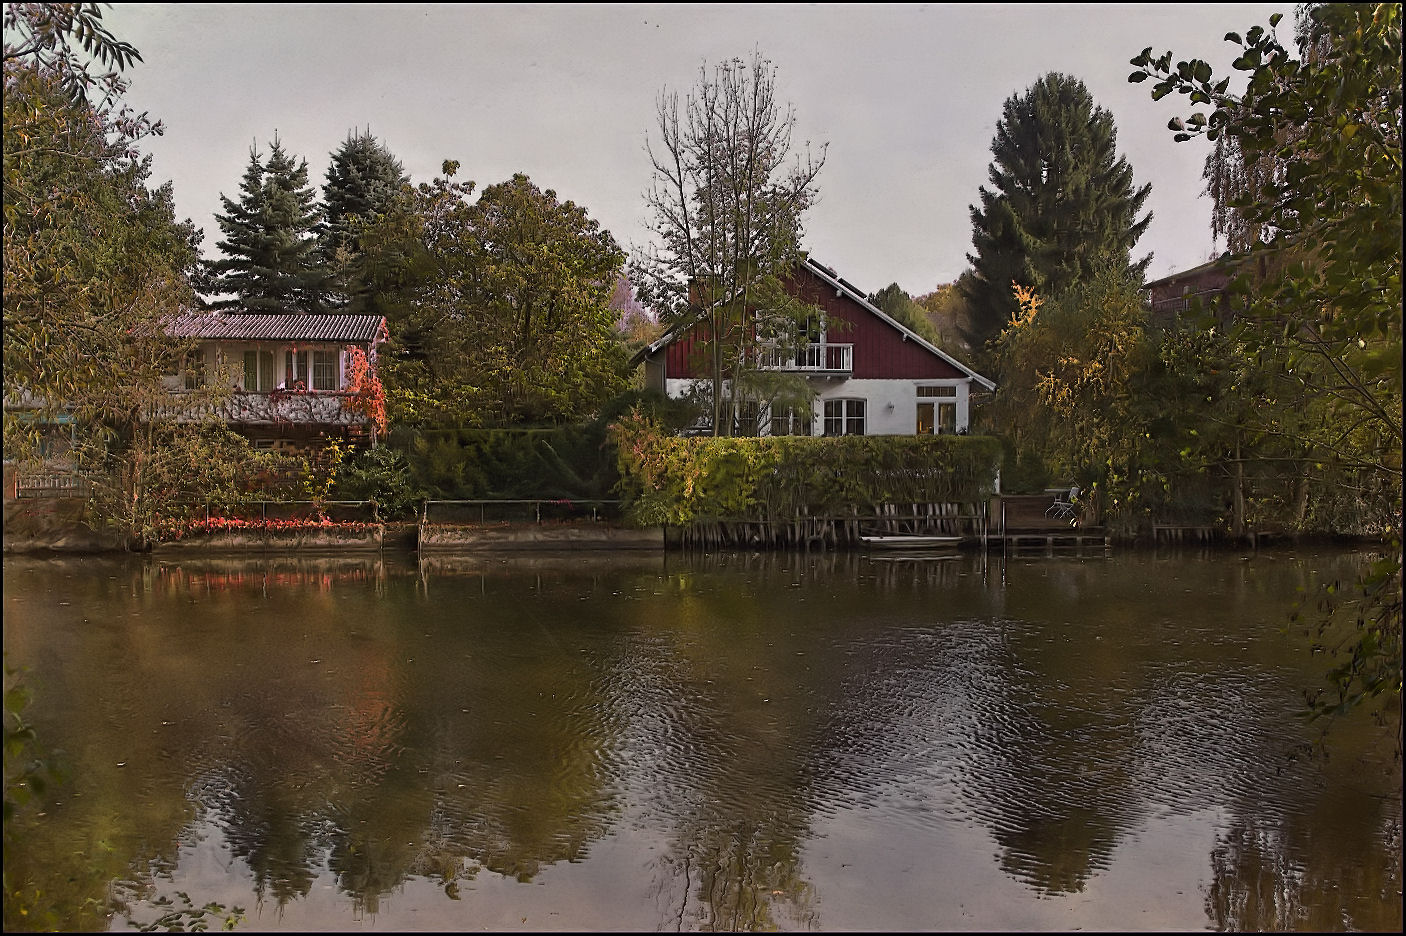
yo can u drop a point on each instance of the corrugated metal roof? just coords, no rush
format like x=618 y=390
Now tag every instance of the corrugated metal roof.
x=355 y=328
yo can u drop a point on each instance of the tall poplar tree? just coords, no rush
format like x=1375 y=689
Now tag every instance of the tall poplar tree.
x=1061 y=204
x=271 y=261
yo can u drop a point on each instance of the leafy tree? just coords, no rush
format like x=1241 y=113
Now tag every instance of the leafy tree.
x=725 y=206
x=1073 y=370
x=270 y=261
x=499 y=309
x=948 y=310
x=94 y=263
x=901 y=307
x=45 y=35
x=1328 y=303
x=1061 y=203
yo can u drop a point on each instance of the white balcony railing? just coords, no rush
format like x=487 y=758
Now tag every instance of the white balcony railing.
x=819 y=358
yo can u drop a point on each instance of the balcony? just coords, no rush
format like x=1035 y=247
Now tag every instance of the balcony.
x=306 y=408
x=819 y=358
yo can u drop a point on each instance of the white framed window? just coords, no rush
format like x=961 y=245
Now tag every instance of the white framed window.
x=936 y=418
x=787 y=420
x=258 y=371
x=295 y=370
x=324 y=370
x=937 y=409
x=844 y=417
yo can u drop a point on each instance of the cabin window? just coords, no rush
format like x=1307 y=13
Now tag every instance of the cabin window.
x=194 y=370
x=295 y=370
x=324 y=370
x=748 y=418
x=844 y=417
x=258 y=371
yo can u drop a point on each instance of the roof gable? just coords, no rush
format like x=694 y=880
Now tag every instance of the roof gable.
x=849 y=290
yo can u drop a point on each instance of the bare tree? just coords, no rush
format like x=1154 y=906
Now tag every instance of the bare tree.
x=725 y=207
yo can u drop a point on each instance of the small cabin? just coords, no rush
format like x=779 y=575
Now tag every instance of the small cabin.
x=291 y=377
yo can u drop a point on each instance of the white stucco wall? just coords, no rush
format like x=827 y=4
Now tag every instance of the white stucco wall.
x=891 y=405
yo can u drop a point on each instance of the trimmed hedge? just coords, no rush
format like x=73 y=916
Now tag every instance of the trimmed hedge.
x=470 y=464
x=666 y=479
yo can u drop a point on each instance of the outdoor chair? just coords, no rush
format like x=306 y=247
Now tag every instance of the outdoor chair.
x=1065 y=509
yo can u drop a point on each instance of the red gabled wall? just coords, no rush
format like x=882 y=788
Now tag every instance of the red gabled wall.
x=881 y=351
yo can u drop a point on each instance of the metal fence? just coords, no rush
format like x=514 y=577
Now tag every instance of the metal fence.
x=469 y=512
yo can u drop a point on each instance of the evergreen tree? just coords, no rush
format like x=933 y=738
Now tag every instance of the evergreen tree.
x=1062 y=202
x=270 y=241
x=363 y=180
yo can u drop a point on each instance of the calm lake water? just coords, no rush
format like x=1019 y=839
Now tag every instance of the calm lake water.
x=673 y=742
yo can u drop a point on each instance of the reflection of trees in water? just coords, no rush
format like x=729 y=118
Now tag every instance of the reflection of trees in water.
x=1261 y=882
x=738 y=881
x=726 y=716
x=502 y=749
x=1307 y=869
x=539 y=711
x=1048 y=767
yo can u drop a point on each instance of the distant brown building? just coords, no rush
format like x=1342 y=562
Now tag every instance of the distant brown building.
x=1174 y=295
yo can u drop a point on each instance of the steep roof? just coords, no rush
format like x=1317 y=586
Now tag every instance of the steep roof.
x=361 y=329
x=829 y=276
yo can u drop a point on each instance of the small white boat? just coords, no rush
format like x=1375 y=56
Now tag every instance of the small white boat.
x=899 y=541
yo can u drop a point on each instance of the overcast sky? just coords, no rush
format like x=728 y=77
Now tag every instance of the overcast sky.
x=906 y=95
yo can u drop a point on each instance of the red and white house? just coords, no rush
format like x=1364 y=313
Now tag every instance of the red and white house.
x=868 y=374
x=293 y=378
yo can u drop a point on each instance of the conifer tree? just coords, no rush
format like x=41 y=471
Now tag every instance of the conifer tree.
x=270 y=261
x=1062 y=203
x=362 y=181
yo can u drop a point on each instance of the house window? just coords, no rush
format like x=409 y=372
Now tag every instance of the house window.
x=937 y=415
x=748 y=418
x=258 y=371
x=787 y=420
x=324 y=370
x=295 y=370
x=844 y=417
x=194 y=370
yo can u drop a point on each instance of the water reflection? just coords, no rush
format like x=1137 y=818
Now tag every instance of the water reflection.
x=650 y=741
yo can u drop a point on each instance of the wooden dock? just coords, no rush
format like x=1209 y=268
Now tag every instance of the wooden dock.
x=1090 y=538
x=1178 y=534
x=1023 y=522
